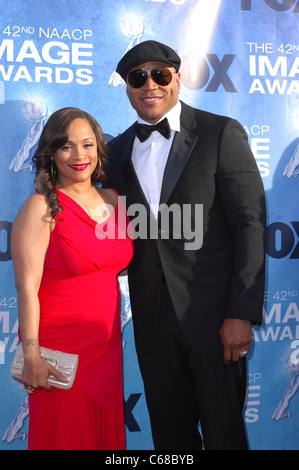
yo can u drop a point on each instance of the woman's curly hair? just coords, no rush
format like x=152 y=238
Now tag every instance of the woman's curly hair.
x=53 y=137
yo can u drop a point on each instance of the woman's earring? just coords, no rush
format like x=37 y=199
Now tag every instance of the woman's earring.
x=99 y=173
x=52 y=171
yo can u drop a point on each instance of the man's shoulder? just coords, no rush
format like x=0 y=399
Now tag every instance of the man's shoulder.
x=117 y=140
x=201 y=121
x=203 y=114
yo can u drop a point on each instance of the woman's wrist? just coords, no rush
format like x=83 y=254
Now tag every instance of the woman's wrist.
x=31 y=348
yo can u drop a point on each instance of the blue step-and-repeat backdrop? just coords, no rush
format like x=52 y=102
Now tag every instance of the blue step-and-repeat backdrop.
x=239 y=58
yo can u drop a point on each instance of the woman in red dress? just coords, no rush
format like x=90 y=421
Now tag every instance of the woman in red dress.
x=66 y=273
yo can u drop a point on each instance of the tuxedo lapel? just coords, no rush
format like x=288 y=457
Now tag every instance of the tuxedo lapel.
x=181 y=150
x=134 y=190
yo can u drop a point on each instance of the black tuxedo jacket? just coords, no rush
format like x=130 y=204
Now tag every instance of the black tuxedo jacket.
x=210 y=164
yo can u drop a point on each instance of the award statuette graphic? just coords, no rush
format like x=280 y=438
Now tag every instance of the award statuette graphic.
x=34 y=110
x=279 y=412
x=14 y=431
x=292 y=168
x=132 y=27
x=125 y=305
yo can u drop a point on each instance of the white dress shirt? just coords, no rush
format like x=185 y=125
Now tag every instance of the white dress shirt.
x=149 y=158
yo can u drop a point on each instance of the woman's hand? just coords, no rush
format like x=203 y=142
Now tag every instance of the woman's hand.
x=36 y=372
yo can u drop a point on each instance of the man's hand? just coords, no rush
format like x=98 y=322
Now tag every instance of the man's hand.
x=236 y=337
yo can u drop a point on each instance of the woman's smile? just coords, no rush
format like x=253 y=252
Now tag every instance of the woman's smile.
x=79 y=166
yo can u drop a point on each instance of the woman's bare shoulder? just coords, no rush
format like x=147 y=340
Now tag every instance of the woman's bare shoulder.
x=35 y=208
x=109 y=195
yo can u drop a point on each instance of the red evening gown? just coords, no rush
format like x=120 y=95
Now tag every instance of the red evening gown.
x=79 y=313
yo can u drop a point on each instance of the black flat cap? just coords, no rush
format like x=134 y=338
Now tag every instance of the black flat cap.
x=147 y=51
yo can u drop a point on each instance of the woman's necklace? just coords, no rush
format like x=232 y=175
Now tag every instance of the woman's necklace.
x=90 y=210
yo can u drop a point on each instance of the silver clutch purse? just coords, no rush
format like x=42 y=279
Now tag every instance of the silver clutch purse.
x=65 y=363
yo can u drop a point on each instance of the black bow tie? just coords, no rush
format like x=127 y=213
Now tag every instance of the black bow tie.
x=143 y=131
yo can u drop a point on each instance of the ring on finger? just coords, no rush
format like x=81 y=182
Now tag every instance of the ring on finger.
x=243 y=353
x=30 y=390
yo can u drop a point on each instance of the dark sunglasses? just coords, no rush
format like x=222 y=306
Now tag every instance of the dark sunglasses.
x=161 y=76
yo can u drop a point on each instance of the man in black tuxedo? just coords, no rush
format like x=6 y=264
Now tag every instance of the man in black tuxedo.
x=193 y=301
